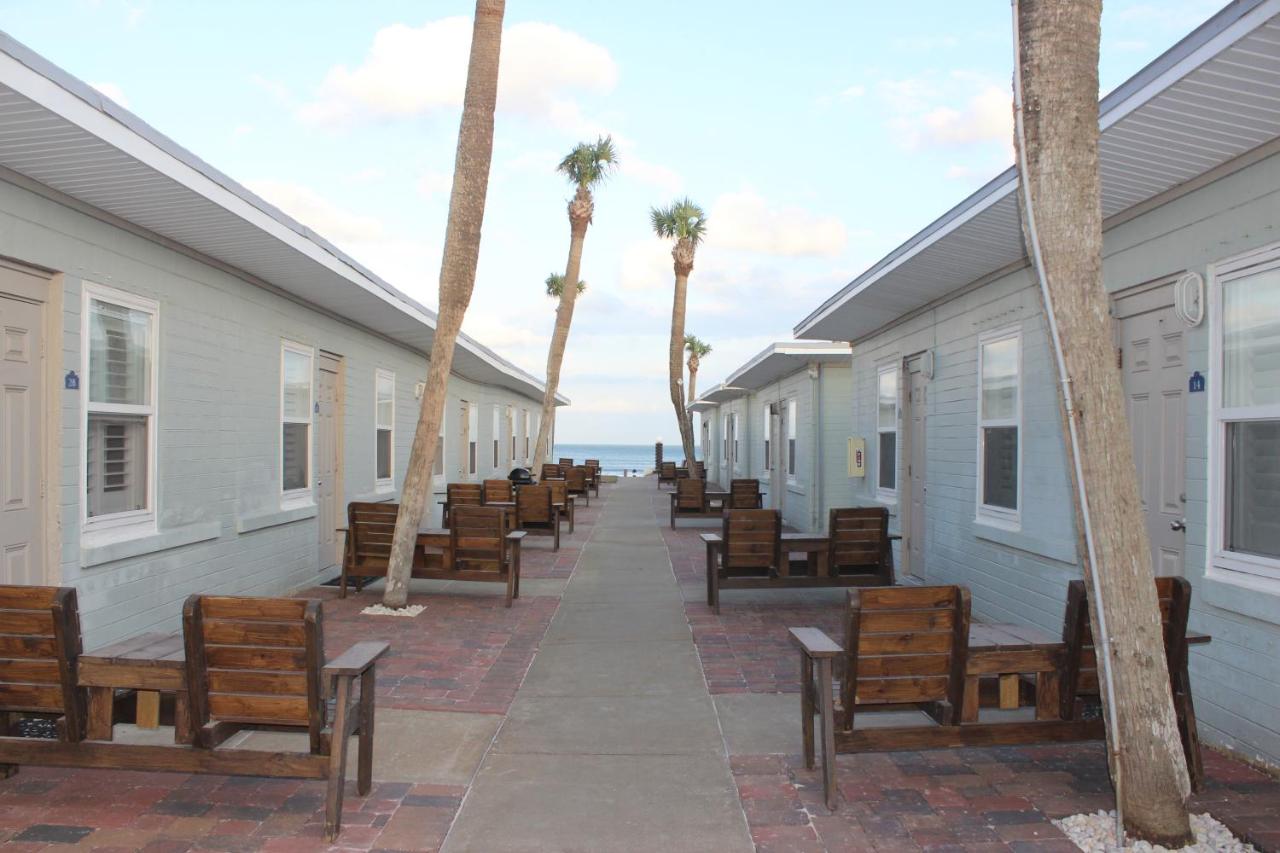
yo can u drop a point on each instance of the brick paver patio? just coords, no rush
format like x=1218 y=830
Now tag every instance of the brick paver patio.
x=467 y=655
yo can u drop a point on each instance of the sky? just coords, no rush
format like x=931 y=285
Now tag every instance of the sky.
x=816 y=135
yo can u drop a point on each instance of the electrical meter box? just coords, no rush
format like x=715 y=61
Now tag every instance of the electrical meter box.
x=857 y=457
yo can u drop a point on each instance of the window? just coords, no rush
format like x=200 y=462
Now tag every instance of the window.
x=735 y=440
x=533 y=435
x=295 y=417
x=1245 y=450
x=120 y=407
x=524 y=431
x=473 y=439
x=724 y=438
x=768 y=416
x=999 y=417
x=887 y=432
x=437 y=467
x=497 y=436
x=791 y=440
x=511 y=430
x=384 y=406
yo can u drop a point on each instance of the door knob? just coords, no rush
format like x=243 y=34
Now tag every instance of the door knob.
x=1180 y=524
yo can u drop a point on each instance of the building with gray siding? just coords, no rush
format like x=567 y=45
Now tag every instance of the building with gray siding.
x=196 y=385
x=955 y=390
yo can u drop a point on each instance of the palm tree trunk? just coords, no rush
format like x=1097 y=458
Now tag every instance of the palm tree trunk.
x=676 y=366
x=457 y=279
x=560 y=339
x=1058 y=70
x=693 y=378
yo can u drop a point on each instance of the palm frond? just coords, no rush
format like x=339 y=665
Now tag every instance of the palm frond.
x=696 y=346
x=555 y=285
x=682 y=220
x=589 y=163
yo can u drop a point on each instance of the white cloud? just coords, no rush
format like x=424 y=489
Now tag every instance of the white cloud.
x=653 y=174
x=275 y=88
x=318 y=213
x=435 y=183
x=745 y=221
x=960 y=110
x=646 y=266
x=413 y=71
x=986 y=116
x=112 y=91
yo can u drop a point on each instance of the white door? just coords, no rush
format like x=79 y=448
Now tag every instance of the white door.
x=917 y=406
x=328 y=415
x=21 y=408
x=777 y=447
x=1152 y=356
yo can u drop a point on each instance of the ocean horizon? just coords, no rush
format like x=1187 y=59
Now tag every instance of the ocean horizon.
x=619 y=459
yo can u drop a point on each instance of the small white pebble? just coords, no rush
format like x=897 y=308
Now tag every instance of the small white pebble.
x=381 y=610
x=1096 y=833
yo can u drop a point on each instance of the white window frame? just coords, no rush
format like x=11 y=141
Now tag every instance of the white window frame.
x=735 y=446
x=134 y=522
x=724 y=438
x=524 y=434
x=998 y=516
x=792 y=448
x=384 y=484
x=768 y=416
x=497 y=437
x=298 y=497
x=883 y=494
x=439 y=472
x=1241 y=566
x=472 y=462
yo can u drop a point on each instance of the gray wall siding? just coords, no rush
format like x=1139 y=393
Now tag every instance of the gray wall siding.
x=1021 y=575
x=220 y=523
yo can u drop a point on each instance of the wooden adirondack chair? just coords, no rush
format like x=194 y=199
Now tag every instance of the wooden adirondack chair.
x=551 y=472
x=39 y=646
x=1080 y=675
x=498 y=491
x=483 y=547
x=666 y=473
x=591 y=462
x=593 y=478
x=576 y=479
x=566 y=461
x=745 y=494
x=536 y=514
x=460 y=494
x=751 y=547
x=560 y=495
x=370 y=527
x=903 y=645
x=860 y=544
x=259 y=662
x=689 y=500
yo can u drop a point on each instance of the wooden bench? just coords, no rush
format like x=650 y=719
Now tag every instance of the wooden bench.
x=498 y=491
x=576 y=479
x=249 y=663
x=736 y=557
x=551 y=472
x=860 y=545
x=481 y=546
x=460 y=494
x=560 y=497
x=666 y=473
x=745 y=494
x=537 y=513
x=692 y=500
x=371 y=526
x=566 y=462
x=593 y=477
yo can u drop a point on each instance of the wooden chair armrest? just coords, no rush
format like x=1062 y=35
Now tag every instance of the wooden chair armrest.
x=517 y=535
x=355 y=660
x=814 y=643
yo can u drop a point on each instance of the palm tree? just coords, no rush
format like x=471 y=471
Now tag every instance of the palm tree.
x=457 y=280
x=1056 y=132
x=586 y=166
x=686 y=224
x=698 y=349
x=555 y=285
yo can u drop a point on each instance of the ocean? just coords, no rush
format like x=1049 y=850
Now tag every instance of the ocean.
x=616 y=458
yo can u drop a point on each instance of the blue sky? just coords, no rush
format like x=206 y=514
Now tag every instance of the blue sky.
x=817 y=135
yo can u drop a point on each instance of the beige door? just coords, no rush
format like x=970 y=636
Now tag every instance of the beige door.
x=913 y=544
x=21 y=408
x=330 y=510
x=1153 y=360
x=776 y=449
x=464 y=444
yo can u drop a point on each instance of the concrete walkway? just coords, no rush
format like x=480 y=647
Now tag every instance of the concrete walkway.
x=612 y=742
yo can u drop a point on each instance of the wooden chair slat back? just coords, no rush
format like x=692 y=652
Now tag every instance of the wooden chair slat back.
x=592 y=472
x=255 y=661
x=464 y=494
x=905 y=644
x=498 y=491
x=859 y=537
x=1174 y=594
x=559 y=491
x=566 y=461
x=39 y=649
x=752 y=539
x=691 y=495
x=592 y=463
x=667 y=470
x=477 y=537
x=533 y=505
x=576 y=478
x=551 y=472
x=370 y=528
x=744 y=494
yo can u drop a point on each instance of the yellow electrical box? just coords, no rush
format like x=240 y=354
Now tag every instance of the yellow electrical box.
x=857 y=457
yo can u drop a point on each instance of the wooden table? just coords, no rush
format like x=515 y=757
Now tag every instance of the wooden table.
x=151 y=664
x=1008 y=652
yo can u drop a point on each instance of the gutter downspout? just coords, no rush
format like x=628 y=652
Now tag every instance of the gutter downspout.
x=815 y=478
